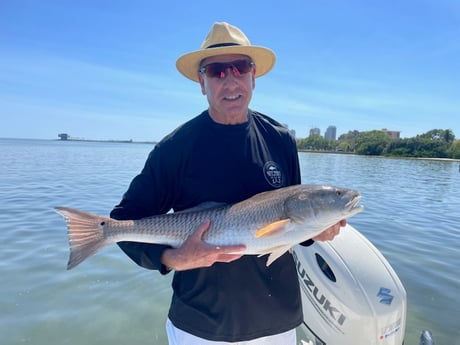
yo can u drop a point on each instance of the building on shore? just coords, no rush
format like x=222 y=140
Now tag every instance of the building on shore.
x=392 y=134
x=315 y=131
x=331 y=133
x=292 y=131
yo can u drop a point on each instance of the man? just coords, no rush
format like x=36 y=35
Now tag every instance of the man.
x=226 y=154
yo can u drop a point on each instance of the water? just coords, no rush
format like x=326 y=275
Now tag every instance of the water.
x=412 y=215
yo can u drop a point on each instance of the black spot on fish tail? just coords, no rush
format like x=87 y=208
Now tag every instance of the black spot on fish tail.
x=86 y=235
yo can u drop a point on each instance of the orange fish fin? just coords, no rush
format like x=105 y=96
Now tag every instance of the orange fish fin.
x=272 y=229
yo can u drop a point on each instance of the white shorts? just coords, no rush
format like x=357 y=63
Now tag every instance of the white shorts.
x=179 y=337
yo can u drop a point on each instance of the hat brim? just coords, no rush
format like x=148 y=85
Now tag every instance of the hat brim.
x=263 y=58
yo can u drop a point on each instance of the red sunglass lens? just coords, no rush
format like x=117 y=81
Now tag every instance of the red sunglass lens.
x=219 y=69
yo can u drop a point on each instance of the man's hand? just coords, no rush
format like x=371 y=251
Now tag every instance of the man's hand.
x=195 y=253
x=331 y=232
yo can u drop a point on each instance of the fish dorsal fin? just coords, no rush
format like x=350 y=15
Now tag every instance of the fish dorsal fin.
x=273 y=229
x=207 y=205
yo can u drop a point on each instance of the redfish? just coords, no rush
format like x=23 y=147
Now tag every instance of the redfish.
x=267 y=223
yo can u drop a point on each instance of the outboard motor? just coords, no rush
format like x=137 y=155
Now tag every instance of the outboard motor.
x=350 y=293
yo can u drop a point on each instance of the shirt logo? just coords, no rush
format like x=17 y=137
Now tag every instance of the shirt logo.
x=273 y=174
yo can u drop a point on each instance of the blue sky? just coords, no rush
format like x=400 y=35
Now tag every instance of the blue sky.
x=106 y=69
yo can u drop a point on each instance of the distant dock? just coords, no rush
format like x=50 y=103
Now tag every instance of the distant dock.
x=67 y=137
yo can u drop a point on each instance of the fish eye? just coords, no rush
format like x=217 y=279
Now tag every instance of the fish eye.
x=102 y=223
x=338 y=193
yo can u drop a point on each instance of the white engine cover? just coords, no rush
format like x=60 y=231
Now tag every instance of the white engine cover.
x=350 y=293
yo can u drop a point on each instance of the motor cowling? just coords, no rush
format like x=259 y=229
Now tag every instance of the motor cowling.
x=350 y=293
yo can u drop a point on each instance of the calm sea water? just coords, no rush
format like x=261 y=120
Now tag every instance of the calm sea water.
x=412 y=215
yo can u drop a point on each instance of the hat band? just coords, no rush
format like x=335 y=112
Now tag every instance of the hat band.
x=222 y=45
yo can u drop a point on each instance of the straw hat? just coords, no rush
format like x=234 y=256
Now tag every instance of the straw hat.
x=225 y=39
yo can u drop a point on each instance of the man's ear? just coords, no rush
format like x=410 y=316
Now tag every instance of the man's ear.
x=201 y=80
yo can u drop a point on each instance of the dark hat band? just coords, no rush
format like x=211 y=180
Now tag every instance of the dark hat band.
x=222 y=45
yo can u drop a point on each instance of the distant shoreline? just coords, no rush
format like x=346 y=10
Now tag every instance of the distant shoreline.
x=107 y=141
x=382 y=156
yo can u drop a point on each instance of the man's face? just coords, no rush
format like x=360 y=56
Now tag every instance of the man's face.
x=228 y=96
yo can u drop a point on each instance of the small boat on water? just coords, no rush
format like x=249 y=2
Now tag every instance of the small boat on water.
x=350 y=294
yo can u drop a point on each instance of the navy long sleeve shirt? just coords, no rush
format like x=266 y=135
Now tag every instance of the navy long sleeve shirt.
x=205 y=161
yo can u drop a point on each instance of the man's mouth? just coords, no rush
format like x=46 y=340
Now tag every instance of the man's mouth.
x=232 y=98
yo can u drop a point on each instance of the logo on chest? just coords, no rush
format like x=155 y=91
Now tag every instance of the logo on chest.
x=273 y=174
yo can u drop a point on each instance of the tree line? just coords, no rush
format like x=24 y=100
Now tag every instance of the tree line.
x=437 y=143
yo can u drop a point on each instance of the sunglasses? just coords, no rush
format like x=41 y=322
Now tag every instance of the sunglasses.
x=219 y=69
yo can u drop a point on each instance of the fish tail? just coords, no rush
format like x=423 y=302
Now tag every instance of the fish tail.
x=86 y=234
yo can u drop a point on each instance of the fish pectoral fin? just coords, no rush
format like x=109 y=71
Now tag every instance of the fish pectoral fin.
x=273 y=229
x=275 y=253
